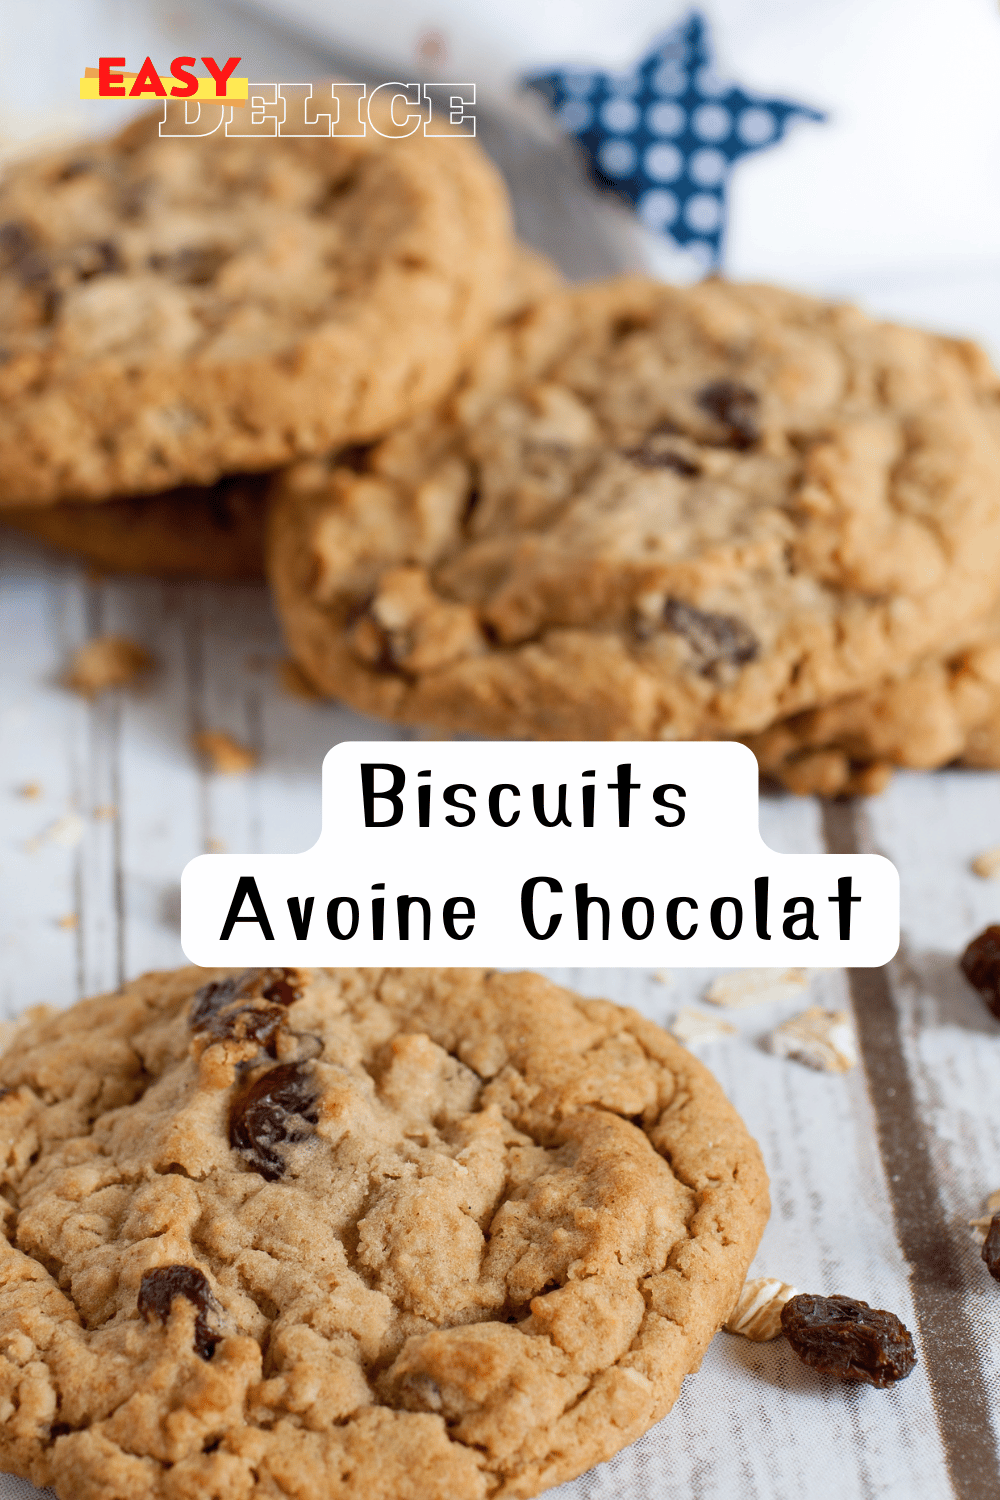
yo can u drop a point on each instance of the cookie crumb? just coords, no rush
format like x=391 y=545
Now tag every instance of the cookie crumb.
x=105 y=813
x=987 y=864
x=66 y=832
x=822 y=1039
x=295 y=683
x=108 y=661
x=225 y=756
x=69 y=922
x=745 y=987
x=663 y=976
x=757 y=1314
x=215 y=846
x=31 y=791
x=692 y=1026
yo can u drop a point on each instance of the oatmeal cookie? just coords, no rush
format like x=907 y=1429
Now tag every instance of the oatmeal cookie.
x=410 y=1234
x=172 y=310
x=213 y=532
x=941 y=711
x=653 y=513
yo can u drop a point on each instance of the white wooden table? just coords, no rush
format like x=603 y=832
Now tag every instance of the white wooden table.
x=874 y=1174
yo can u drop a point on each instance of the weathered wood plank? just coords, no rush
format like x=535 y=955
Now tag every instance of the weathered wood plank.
x=831 y=1228
x=932 y=826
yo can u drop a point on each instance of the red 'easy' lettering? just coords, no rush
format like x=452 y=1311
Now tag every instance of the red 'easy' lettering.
x=106 y=80
x=147 y=81
x=179 y=69
x=220 y=74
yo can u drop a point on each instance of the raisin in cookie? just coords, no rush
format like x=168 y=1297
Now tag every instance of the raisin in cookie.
x=214 y=532
x=653 y=513
x=419 y=1234
x=175 y=309
x=943 y=710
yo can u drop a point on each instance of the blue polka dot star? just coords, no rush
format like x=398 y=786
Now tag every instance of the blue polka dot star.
x=665 y=135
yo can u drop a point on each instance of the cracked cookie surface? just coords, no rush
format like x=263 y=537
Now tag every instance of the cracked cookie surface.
x=653 y=513
x=411 y=1234
x=172 y=310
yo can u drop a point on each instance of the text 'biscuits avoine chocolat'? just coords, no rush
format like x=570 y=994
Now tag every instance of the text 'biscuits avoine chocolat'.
x=653 y=512
x=444 y=1234
x=172 y=310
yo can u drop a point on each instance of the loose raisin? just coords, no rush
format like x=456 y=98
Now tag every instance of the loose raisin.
x=158 y=1289
x=980 y=963
x=844 y=1337
x=714 y=639
x=735 y=406
x=271 y=1112
x=991 y=1248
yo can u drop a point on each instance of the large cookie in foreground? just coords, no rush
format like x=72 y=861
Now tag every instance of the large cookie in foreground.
x=409 y=1234
x=653 y=513
x=172 y=310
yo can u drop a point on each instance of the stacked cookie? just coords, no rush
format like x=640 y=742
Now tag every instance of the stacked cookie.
x=651 y=513
x=622 y=511
x=175 y=311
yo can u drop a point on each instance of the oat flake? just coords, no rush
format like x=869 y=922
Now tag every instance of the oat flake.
x=692 y=1026
x=745 y=987
x=987 y=864
x=822 y=1039
x=757 y=1314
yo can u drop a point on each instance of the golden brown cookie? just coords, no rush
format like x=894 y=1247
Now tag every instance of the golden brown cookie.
x=216 y=531
x=213 y=532
x=653 y=513
x=943 y=710
x=419 y=1234
x=176 y=309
